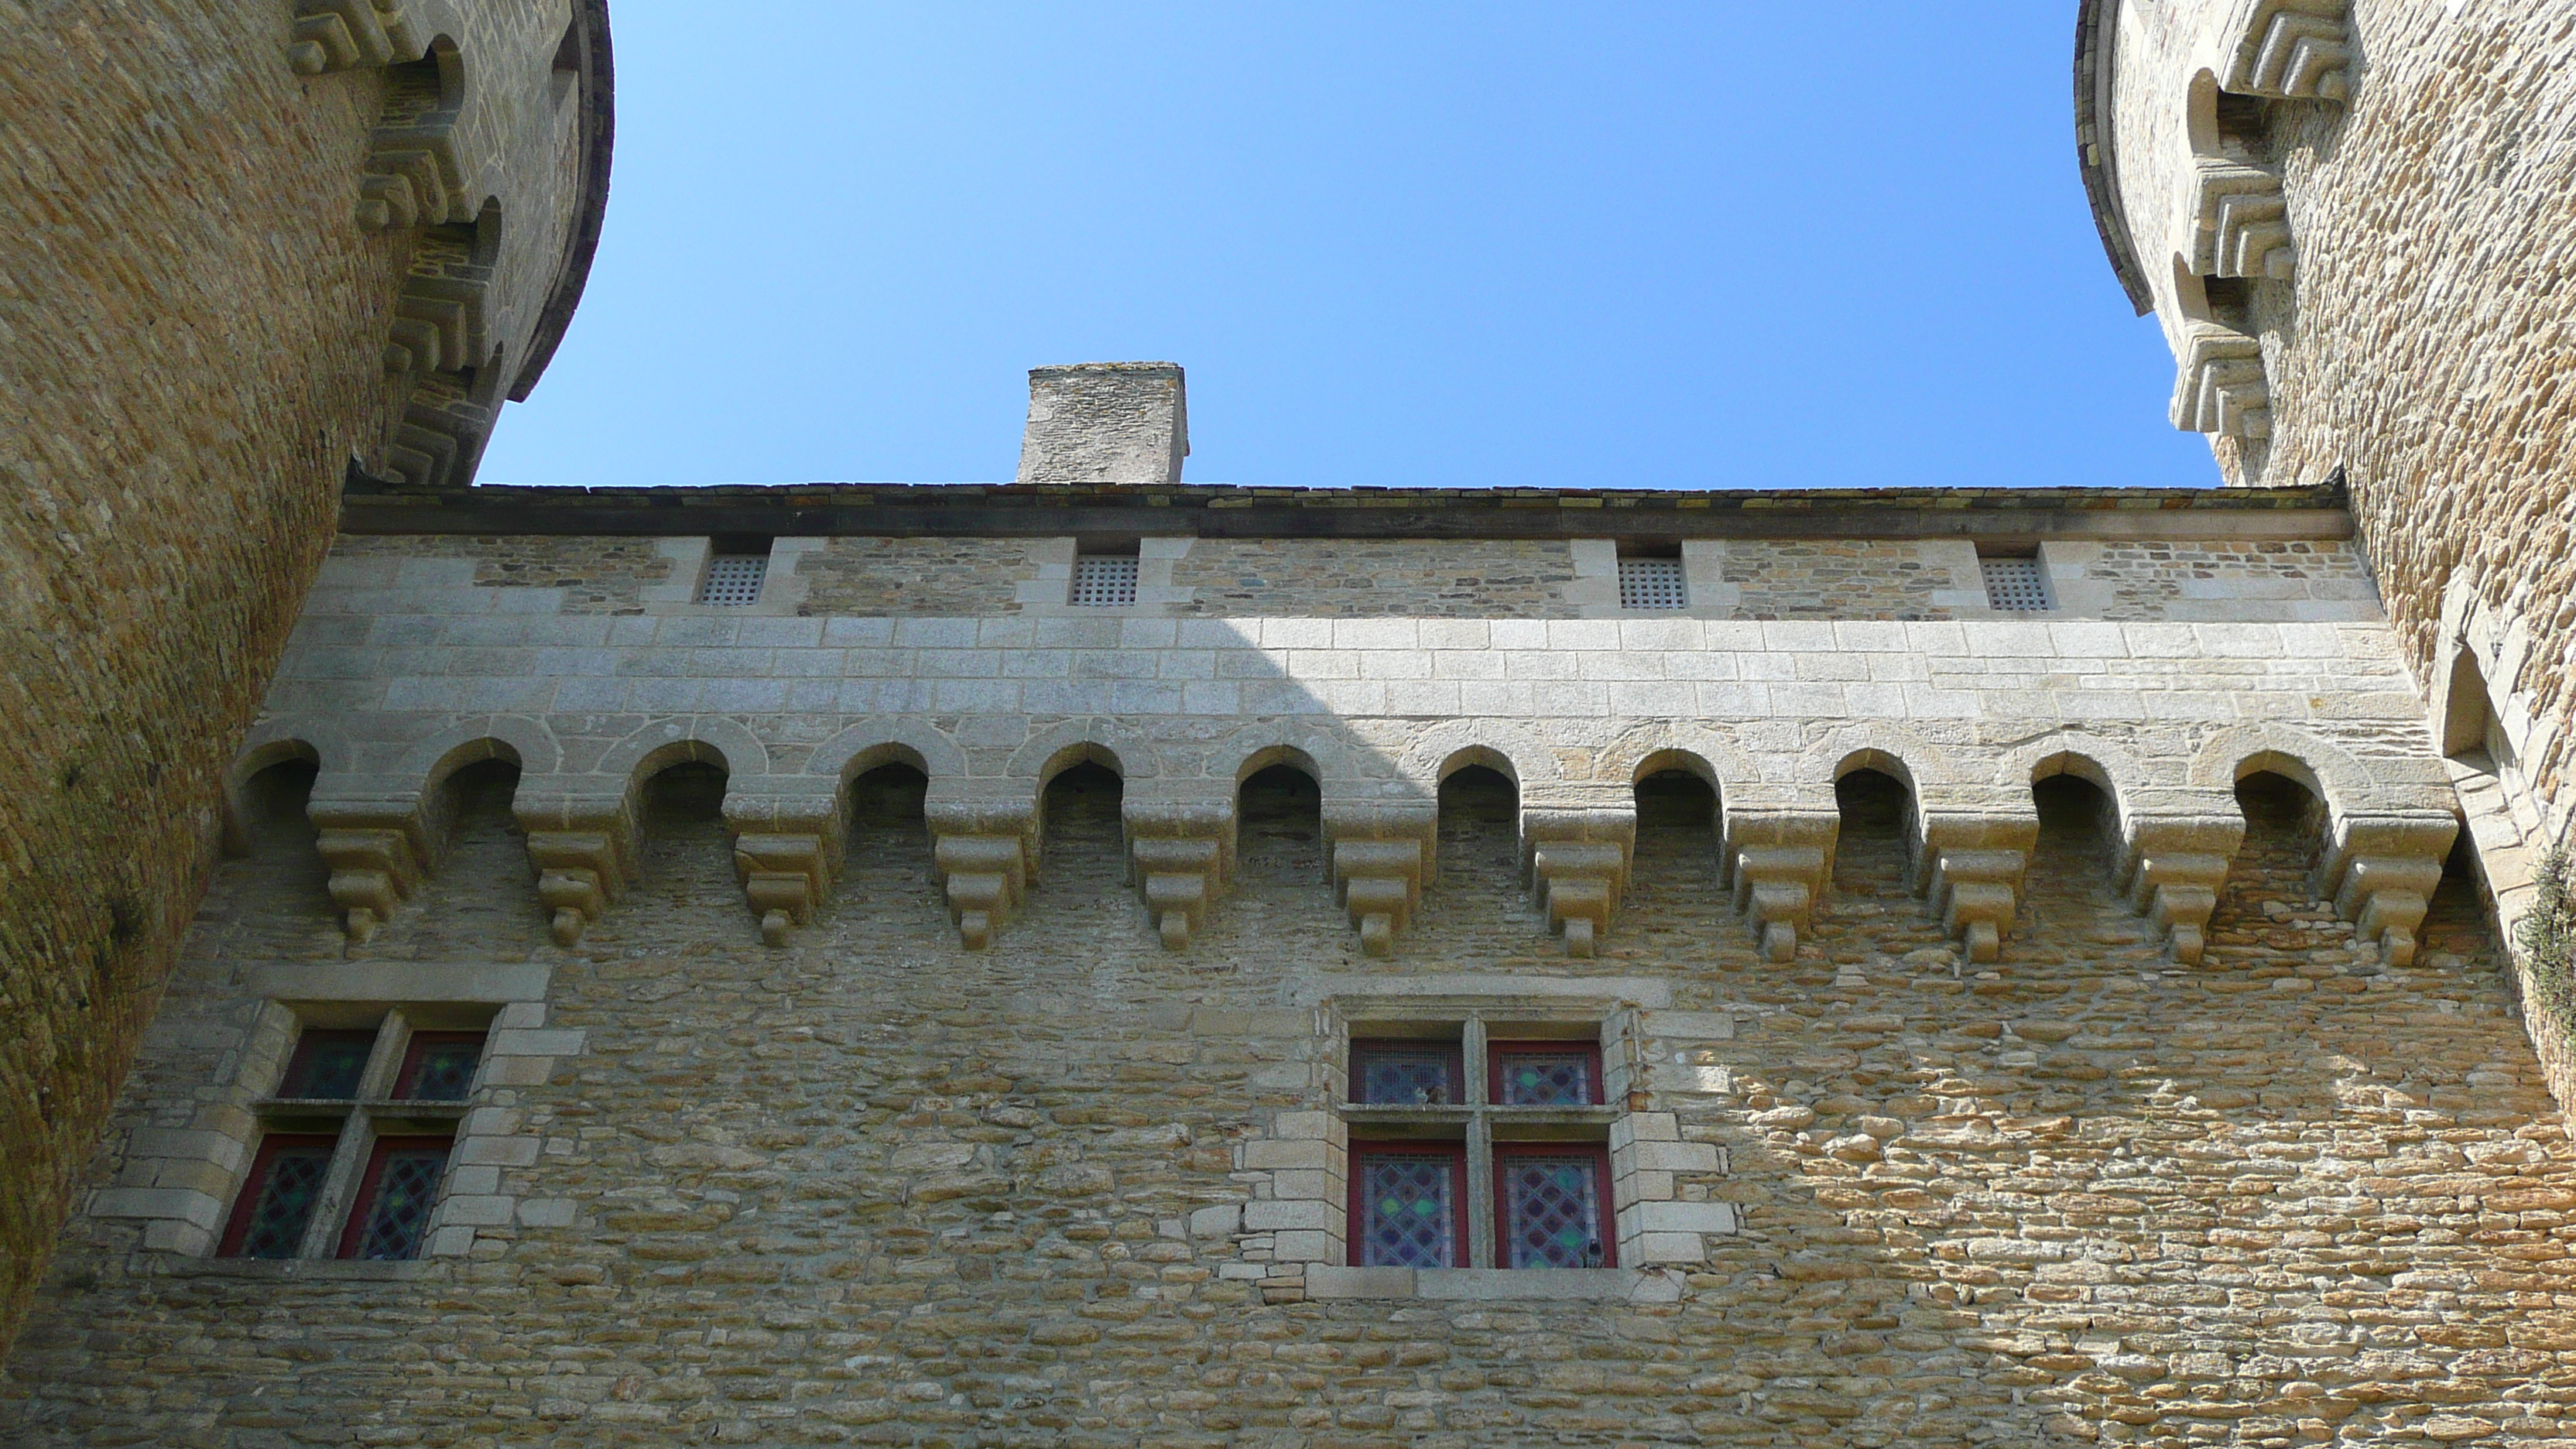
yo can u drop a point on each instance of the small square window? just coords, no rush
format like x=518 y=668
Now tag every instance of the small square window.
x=733 y=578
x=1407 y=1202
x=1388 y=1073
x=395 y=1198
x=1549 y=1199
x=2015 y=584
x=277 y=1199
x=1104 y=581
x=438 y=1066
x=327 y=1066
x=1652 y=583
x=1544 y=1074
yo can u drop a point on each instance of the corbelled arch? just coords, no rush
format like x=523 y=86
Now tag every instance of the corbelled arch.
x=2326 y=769
x=522 y=740
x=863 y=747
x=1131 y=756
x=712 y=739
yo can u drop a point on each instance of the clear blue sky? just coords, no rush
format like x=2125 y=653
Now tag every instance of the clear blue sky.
x=1706 y=245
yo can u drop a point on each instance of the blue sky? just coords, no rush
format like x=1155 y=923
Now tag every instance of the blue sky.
x=1658 y=245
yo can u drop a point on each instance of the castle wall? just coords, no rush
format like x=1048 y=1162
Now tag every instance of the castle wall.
x=790 y=1131
x=869 y=1188
x=2418 y=343
x=196 y=329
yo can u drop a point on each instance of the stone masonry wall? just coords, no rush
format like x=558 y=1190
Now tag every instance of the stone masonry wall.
x=2217 y=581
x=868 y=1189
x=2422 y=345
x=1345 y=578
x=194 y=334
x=597 y=575
x=914 y=576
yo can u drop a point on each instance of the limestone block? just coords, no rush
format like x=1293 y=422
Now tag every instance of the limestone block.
x=1181 y=851
x=2380 y=871
x=583 y=849
x=352 y=35
x=378 y=854
x=2172 y=868
x=2290 y=49
x=1106 y=422
x=983 y=855
x=1578 y=861
x=2222 y=387
x=1970 y=867
x=414 y=177
x=1780 y=859
x=2238 y=221
x=1380 y=857
x=786 y=853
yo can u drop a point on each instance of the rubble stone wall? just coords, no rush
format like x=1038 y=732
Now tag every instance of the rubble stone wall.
x=869 y=1188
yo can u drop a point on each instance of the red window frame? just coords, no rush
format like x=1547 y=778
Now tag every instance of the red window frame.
x=1448 y=1048
x=1460 y=1223
x=255 y=1184
x=1602 y=1208
x=418 y=1046
x=1496 y=1052
x=363 y=1205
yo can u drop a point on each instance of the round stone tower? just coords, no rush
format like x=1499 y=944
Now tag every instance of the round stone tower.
x=2356 y=221
x=249 y=250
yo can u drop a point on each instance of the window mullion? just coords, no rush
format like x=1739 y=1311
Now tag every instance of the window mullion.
x=339 y=1185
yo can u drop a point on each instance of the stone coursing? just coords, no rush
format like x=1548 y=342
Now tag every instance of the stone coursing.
x=198 y=326
x=596 y=575
x=1320 y=578
x=906 y=577
x=1845 y=580
x=2420 y=347
x=869 y=1190
x=2147 y=580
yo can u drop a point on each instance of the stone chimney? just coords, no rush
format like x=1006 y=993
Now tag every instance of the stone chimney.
x=1106 y=422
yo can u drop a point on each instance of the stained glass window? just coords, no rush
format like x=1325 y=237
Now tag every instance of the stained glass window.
x=1405 y=1074
x=438 y=1066
x=327 y=1065
x=401 y=1187
x=1547 y=1074
x=276 y=1202
x=1551 y=1210
x=1408 y=1208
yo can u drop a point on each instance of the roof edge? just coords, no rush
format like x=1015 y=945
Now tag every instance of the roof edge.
x=1217 y=510
x=2096 y=52
x=598 y=139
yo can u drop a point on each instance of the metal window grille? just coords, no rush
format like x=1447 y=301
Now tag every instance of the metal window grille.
x=2014 y=583
x=734 y=578
x=1651 y=583
x=1102 y=582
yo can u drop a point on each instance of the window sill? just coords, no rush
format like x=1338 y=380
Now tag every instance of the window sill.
x=308 y=1270
x=1496 y=1285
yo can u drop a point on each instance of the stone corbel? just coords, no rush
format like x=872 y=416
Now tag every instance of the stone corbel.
x=352 y=35
x=1781 y=860
x=413 y=176
x=378 y=852
x=2290 y=49
x=786 y=853
x=1381 y=856
x=1969 y=868
x=2380 y=871
x=2172 y=869
x=2222 y=388
x=1182 y=851
x=1578 y=862
x=2240 y=223
x=983 y=853
x=583 y=850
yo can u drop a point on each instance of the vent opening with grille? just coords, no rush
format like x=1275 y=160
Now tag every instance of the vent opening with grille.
x=1652 y=583
x=1104 y=581
x=2016 y=584
x=734 y=578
